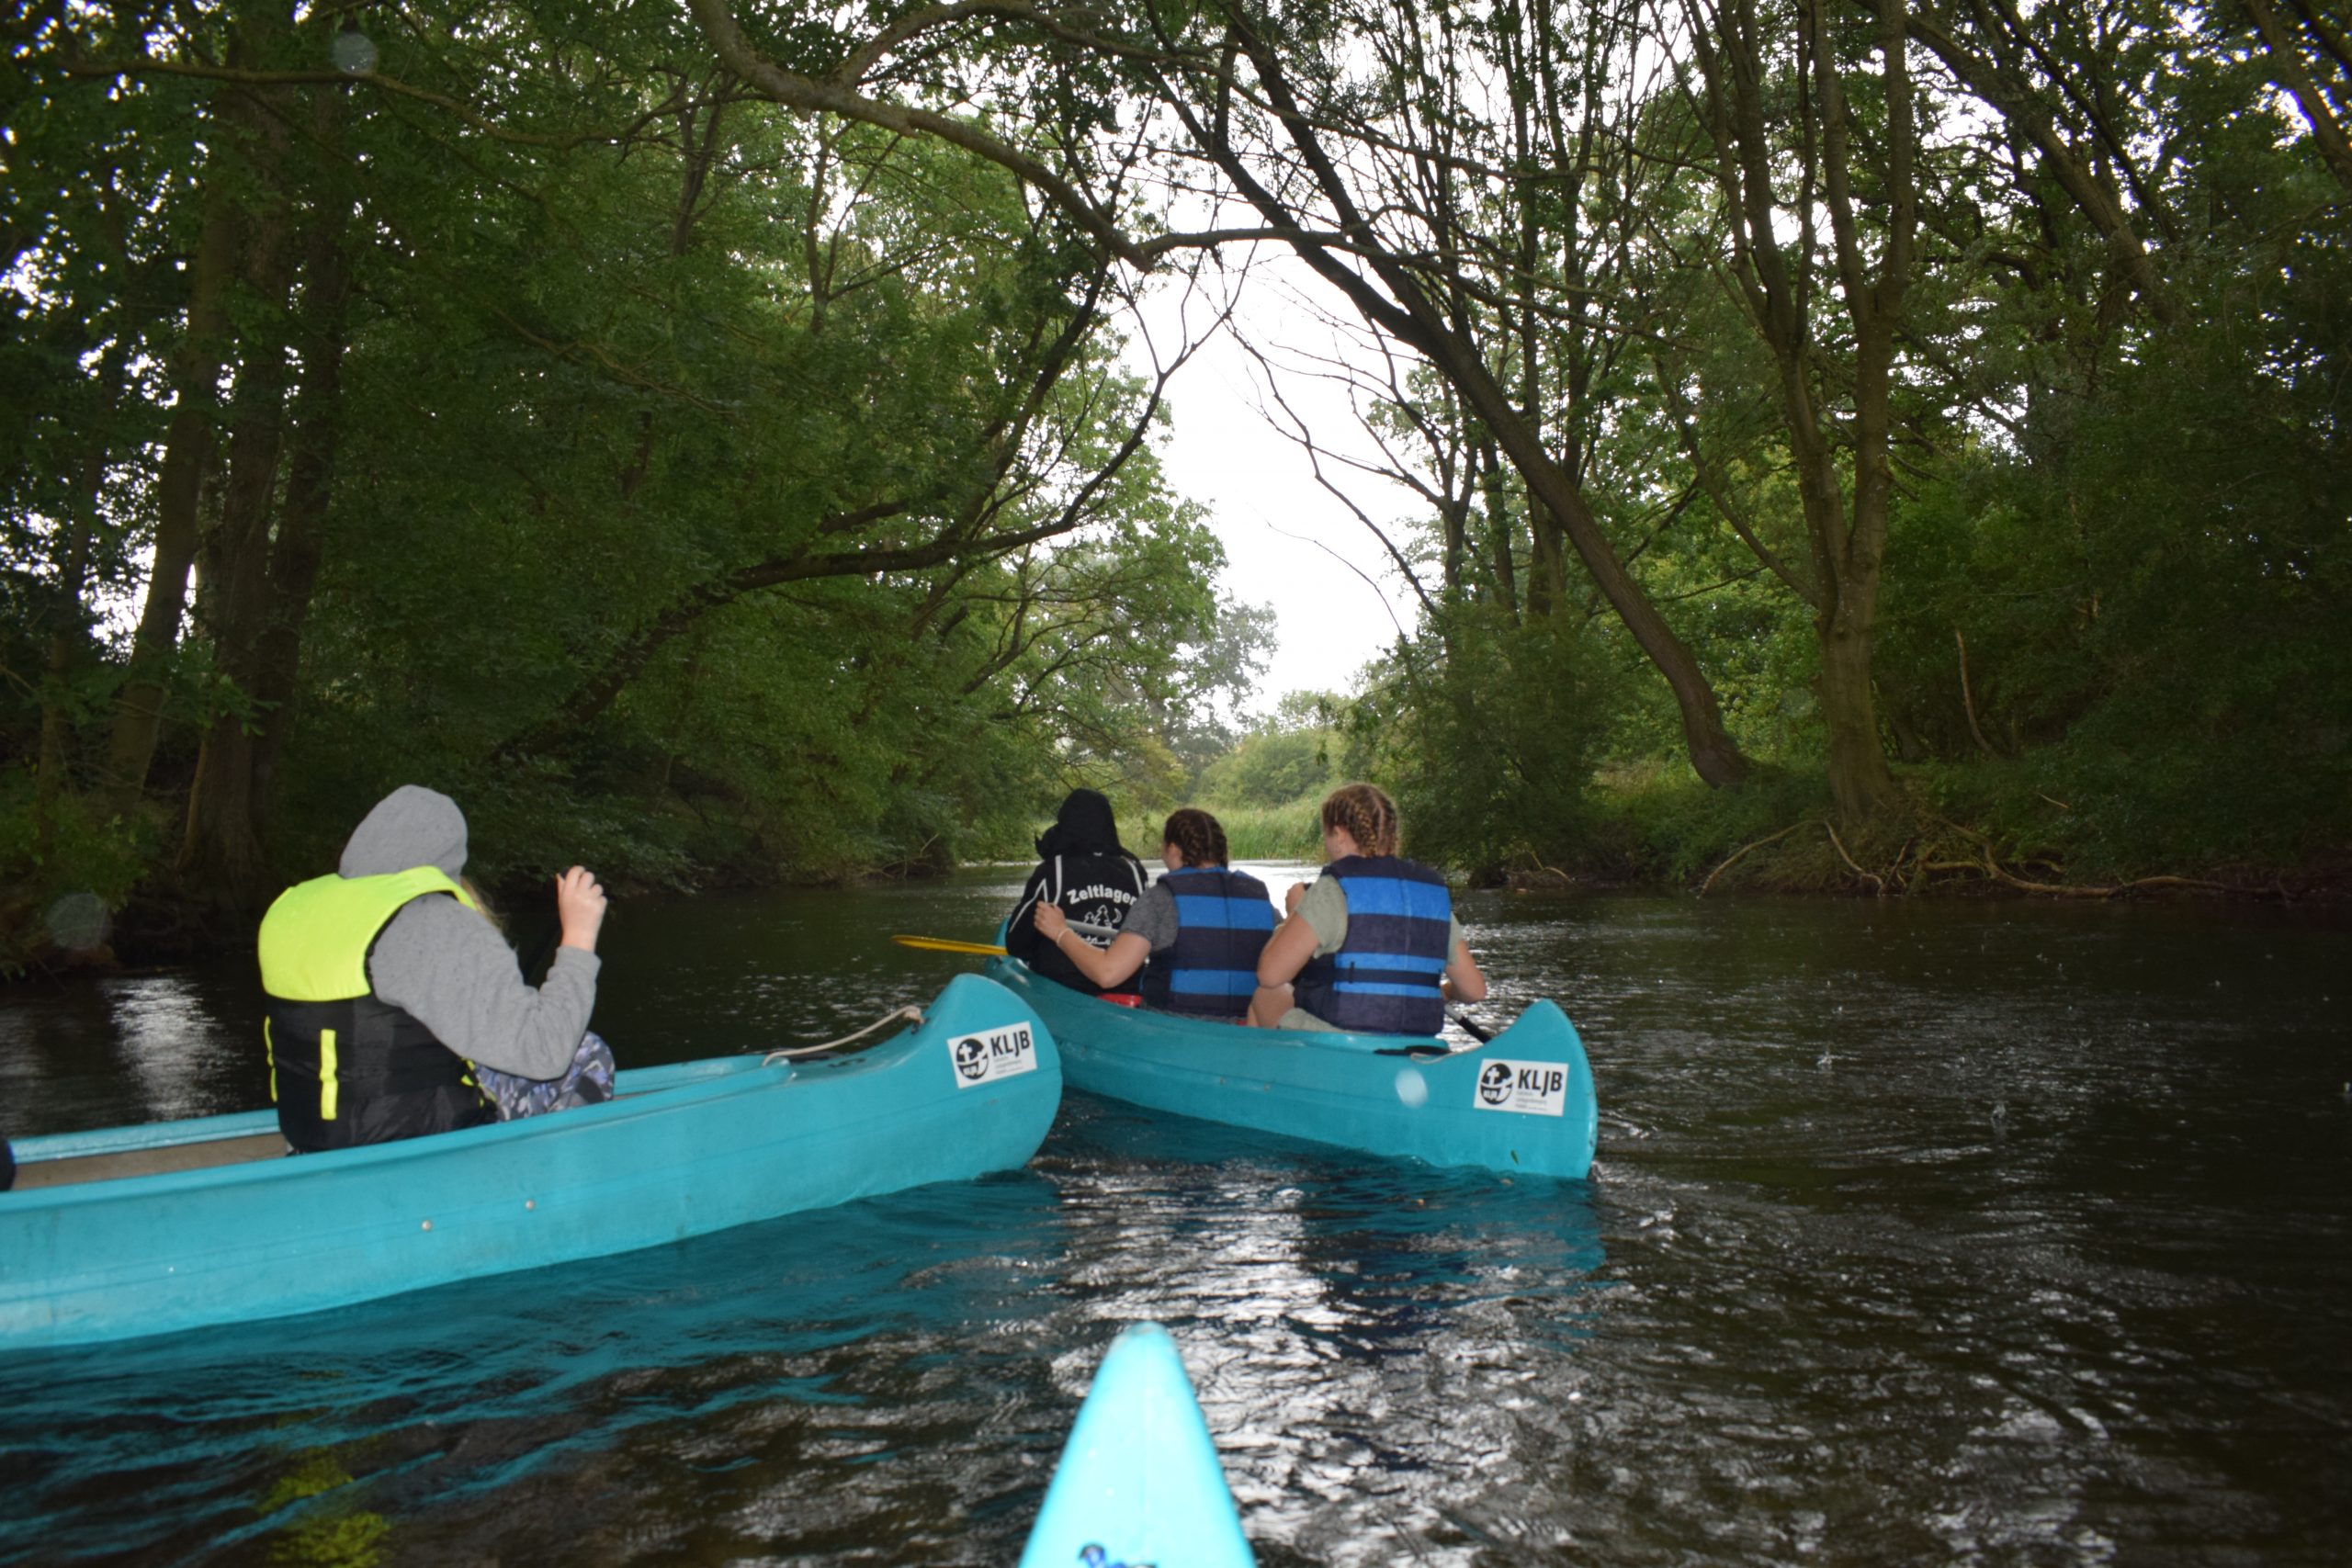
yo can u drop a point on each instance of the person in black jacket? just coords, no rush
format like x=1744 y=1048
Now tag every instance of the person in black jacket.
x=1088 y=874
x=1196 y=935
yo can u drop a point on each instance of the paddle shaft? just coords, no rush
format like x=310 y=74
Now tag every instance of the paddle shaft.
x=949 y=945
x=952 y=944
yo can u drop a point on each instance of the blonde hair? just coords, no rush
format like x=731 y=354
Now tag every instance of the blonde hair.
x=482 y=905
x=1368 y=815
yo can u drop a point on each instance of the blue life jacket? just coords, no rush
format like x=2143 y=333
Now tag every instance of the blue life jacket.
x=1223 y=919
x=1384 y=978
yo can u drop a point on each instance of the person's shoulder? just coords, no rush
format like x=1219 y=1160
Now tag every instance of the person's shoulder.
x=427 y=910
x=437 y=922
x=1325 y=894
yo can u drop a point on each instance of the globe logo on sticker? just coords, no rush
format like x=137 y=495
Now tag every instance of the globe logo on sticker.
x=1494 y=1082
x=972 y=1058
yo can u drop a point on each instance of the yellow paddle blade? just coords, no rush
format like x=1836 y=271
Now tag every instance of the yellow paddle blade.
x=947 y=944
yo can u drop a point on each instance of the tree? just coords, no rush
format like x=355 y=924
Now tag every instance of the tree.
x=1270 y=108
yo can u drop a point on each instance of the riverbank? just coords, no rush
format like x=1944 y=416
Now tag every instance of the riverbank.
x=1972 y=832
x=1953 y=834
x=1957 y=832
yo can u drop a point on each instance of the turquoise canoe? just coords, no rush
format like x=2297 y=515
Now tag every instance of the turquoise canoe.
x=1523 y=1101
x=173 y=1225
x=1138 y=1484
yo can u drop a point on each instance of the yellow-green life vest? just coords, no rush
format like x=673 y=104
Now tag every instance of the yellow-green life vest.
x=347 y=1067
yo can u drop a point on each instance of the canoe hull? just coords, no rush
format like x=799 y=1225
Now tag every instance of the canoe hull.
x=1523 y=1102
x=686 y=1150
x=1138 y=1482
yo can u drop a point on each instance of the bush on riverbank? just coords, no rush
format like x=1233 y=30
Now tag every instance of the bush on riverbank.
x=60 y=859
x=1998 y=825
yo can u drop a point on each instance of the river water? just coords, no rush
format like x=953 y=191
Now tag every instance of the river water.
x=1921 y=1233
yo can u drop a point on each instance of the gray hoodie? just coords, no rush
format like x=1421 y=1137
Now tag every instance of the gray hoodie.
x=449 y=967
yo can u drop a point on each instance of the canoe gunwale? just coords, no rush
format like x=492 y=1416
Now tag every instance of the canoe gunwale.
x=689 y=1149
x=434 y=1148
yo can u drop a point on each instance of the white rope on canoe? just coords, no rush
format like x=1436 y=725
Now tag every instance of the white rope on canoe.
x=909 y=1015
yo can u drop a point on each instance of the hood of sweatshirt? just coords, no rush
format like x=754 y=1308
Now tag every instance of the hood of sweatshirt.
x=1084 y=826
x=411 y=827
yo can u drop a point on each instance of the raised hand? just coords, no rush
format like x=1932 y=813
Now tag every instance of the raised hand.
x=579 y=908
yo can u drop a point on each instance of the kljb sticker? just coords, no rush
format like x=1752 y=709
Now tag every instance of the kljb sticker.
x=994 y=1053
x=1532 y=1088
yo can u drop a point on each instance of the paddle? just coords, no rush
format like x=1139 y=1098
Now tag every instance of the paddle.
x=949 y=945
x=1470 y=1026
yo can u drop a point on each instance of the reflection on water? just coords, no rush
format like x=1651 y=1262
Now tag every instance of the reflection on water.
x=1991 y=1234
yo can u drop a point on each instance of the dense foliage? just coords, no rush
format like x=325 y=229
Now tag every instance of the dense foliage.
x=691 y=488
x=702 y=440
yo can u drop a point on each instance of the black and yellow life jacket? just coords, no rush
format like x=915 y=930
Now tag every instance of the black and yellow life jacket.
x=346 y=1067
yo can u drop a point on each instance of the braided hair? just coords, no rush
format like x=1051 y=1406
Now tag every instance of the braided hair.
x=1196 y=835
x=1368 y=815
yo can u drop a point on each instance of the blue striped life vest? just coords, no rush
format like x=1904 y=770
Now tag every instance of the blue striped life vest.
x=1384 y=978
x=1223 y=919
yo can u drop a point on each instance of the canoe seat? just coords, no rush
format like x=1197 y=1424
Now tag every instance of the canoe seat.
x=114 y=1166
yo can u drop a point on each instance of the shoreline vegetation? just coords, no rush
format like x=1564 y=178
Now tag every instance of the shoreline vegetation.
x=1644 y=833
x=1663 y=839
x=1898 y=455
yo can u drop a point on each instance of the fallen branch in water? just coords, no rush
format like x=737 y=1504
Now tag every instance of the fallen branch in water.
x=1929 y=854
x=1535 y=866
x=1734 y=858
x=2110 y=890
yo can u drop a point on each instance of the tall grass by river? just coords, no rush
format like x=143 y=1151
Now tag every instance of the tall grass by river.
x=1287 y=832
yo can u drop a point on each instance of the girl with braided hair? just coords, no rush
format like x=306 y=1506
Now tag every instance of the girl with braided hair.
x=1195 y=934
x=1371 y=945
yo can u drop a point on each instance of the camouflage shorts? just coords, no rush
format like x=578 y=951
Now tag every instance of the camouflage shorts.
x=588 y=1082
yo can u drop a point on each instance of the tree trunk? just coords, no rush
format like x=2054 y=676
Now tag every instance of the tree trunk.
x=1781 y=276
x=1407 y=313
x=1714 y=756
x=69 y=622
x=310 y=472
x=220 y=856
x=1860 y=781
x=187 y=455
x=2291 y=71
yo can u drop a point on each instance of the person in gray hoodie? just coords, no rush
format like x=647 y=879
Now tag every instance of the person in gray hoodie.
x=396 y=1009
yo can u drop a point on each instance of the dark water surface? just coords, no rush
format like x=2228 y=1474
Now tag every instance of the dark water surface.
x=1989 y=1233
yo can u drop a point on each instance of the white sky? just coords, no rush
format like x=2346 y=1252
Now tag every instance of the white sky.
x=1281 y=529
